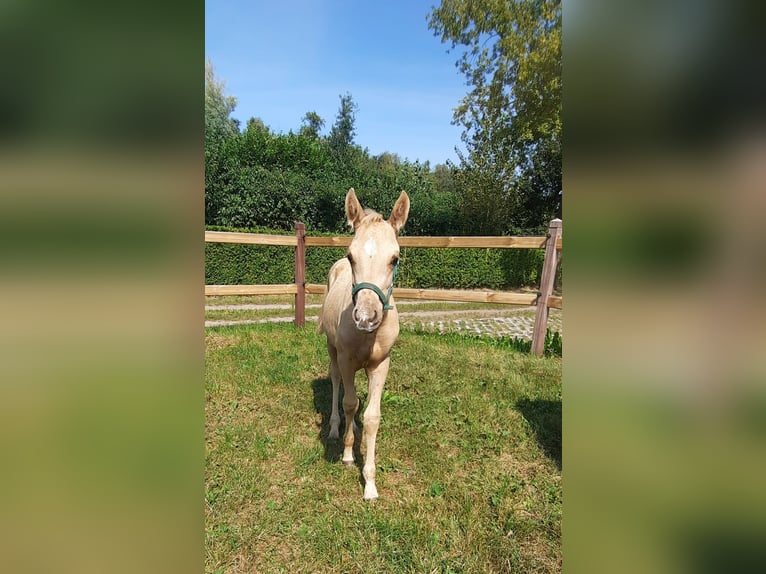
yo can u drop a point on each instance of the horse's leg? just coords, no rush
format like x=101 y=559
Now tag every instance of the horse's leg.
x=350 y=406
x=336 y=379
x=377 y=377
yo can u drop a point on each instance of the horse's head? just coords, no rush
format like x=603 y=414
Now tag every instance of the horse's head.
x=374 y=256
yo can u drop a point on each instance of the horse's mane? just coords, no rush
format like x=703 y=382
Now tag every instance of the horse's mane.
x=371 y=216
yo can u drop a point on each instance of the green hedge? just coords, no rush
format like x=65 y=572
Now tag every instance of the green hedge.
x=425 y=268
x=469 y=268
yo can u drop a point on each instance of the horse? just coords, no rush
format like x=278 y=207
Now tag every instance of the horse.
x=360 y=320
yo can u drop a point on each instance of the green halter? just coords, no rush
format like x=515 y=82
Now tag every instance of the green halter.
x=372 y=287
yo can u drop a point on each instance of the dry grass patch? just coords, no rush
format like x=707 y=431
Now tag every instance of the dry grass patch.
x=215 y=341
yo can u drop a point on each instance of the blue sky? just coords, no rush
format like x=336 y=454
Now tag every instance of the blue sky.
x=283 y=58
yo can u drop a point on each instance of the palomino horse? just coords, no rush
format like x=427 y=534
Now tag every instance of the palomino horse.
x=360 y=320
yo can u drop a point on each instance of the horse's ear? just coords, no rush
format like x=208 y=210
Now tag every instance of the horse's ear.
x=399 y=212
x=354 y=211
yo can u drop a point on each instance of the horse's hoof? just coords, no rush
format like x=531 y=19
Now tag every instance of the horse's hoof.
x=370 y=494
x=348 y=462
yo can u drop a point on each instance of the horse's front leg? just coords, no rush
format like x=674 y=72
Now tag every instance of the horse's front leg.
x=335 y=376
x=350 y=406
x=377 y=377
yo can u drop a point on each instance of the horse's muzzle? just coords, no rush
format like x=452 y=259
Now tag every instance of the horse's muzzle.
x=366 y=318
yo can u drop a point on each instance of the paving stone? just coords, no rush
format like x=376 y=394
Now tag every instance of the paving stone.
x=485 y=323
x=518 y=325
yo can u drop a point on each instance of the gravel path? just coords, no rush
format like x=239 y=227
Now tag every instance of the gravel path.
x=514 y=322
x=281 y=306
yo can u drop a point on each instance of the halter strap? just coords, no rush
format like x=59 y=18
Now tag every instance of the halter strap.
x=372 y=287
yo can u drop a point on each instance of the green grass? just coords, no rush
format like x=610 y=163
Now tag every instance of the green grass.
x=469 y=457
x=252 y=314
x=258 y=299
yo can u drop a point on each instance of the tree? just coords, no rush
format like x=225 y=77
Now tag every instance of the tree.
x=312 y=125
x=219 y=127
x=444 y=181
x=218 y=108
x=512 y=114
x=343 y=130
x=388 y=162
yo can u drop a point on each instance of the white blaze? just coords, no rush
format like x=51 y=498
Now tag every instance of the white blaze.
x=370 y=247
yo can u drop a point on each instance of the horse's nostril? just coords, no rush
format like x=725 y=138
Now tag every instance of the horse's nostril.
x=374 y=316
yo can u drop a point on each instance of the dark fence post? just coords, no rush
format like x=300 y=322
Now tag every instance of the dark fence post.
x=546 y=287
x=300 y=275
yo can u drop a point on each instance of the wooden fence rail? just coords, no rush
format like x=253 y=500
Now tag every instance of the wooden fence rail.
x=534 y=242
x=543 y=300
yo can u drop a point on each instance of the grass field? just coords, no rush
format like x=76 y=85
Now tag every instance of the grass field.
x=468 y=456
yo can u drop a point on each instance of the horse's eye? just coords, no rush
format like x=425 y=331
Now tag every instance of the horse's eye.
x=350 y=259
x=395 y=261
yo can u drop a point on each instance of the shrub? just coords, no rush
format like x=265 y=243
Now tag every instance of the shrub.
x=470 y=268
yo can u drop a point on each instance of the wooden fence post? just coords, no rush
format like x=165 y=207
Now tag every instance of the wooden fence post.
x=546 y=287
x=300 y=275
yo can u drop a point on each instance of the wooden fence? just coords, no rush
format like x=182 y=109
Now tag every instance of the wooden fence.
x=543 y=299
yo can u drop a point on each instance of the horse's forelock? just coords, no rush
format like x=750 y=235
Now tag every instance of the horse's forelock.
x=371 y=216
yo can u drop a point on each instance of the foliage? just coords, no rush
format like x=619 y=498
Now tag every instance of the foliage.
x=264 y=179
x=256 y=178
x=343 y=130
x=312 y=125
x=219 y=128
x=511 y=58
x=236 y=264
x=469 y=268
x=553 y=346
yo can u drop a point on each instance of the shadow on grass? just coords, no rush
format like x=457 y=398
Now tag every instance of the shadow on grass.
x=545 y=419
x=333 y=449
